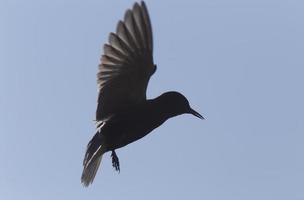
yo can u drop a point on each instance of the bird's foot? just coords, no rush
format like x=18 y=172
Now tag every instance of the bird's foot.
x=115 y=161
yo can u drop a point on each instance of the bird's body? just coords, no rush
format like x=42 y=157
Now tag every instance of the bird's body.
x=133 y=124
x=123 y=114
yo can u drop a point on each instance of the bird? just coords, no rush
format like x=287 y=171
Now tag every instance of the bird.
x=124 y=114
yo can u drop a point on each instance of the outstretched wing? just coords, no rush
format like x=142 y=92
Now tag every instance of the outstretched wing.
x=127 y=63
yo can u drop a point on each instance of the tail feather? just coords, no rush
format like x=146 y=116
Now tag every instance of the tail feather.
x=90 y=171
x=92 y=159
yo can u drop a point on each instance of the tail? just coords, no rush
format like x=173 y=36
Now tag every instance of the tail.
x=92 y=159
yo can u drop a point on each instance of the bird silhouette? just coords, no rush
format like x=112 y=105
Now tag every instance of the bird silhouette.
x=124 y=114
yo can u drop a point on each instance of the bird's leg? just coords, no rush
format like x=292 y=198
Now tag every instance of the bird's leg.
x=115 y=161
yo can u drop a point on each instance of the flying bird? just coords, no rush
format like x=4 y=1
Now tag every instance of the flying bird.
x=124 y=114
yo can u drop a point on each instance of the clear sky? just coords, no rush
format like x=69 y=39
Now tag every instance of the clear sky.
x=240 y=64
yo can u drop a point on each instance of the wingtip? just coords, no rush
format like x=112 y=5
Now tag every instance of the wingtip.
x=142 y=3
x=136 y=4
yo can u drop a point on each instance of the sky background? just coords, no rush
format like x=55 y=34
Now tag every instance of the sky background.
x=240 y=64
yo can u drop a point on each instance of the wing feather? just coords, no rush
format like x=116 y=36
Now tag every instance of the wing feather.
x=117 y=43
x=126 y=64
x=148 y=27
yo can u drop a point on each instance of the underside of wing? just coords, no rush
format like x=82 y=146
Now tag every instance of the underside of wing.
x=126 y=64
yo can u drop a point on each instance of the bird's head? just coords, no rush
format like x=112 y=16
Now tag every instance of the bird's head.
x=177 y=104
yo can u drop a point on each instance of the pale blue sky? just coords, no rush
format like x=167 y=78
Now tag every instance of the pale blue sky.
x=240 y=63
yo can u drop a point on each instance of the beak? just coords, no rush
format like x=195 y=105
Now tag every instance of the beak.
x=196 y=114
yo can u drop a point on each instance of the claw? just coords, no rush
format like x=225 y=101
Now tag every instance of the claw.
x=115 y=161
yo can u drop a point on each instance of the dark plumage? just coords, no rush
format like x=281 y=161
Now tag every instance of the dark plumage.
x=123 y=114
